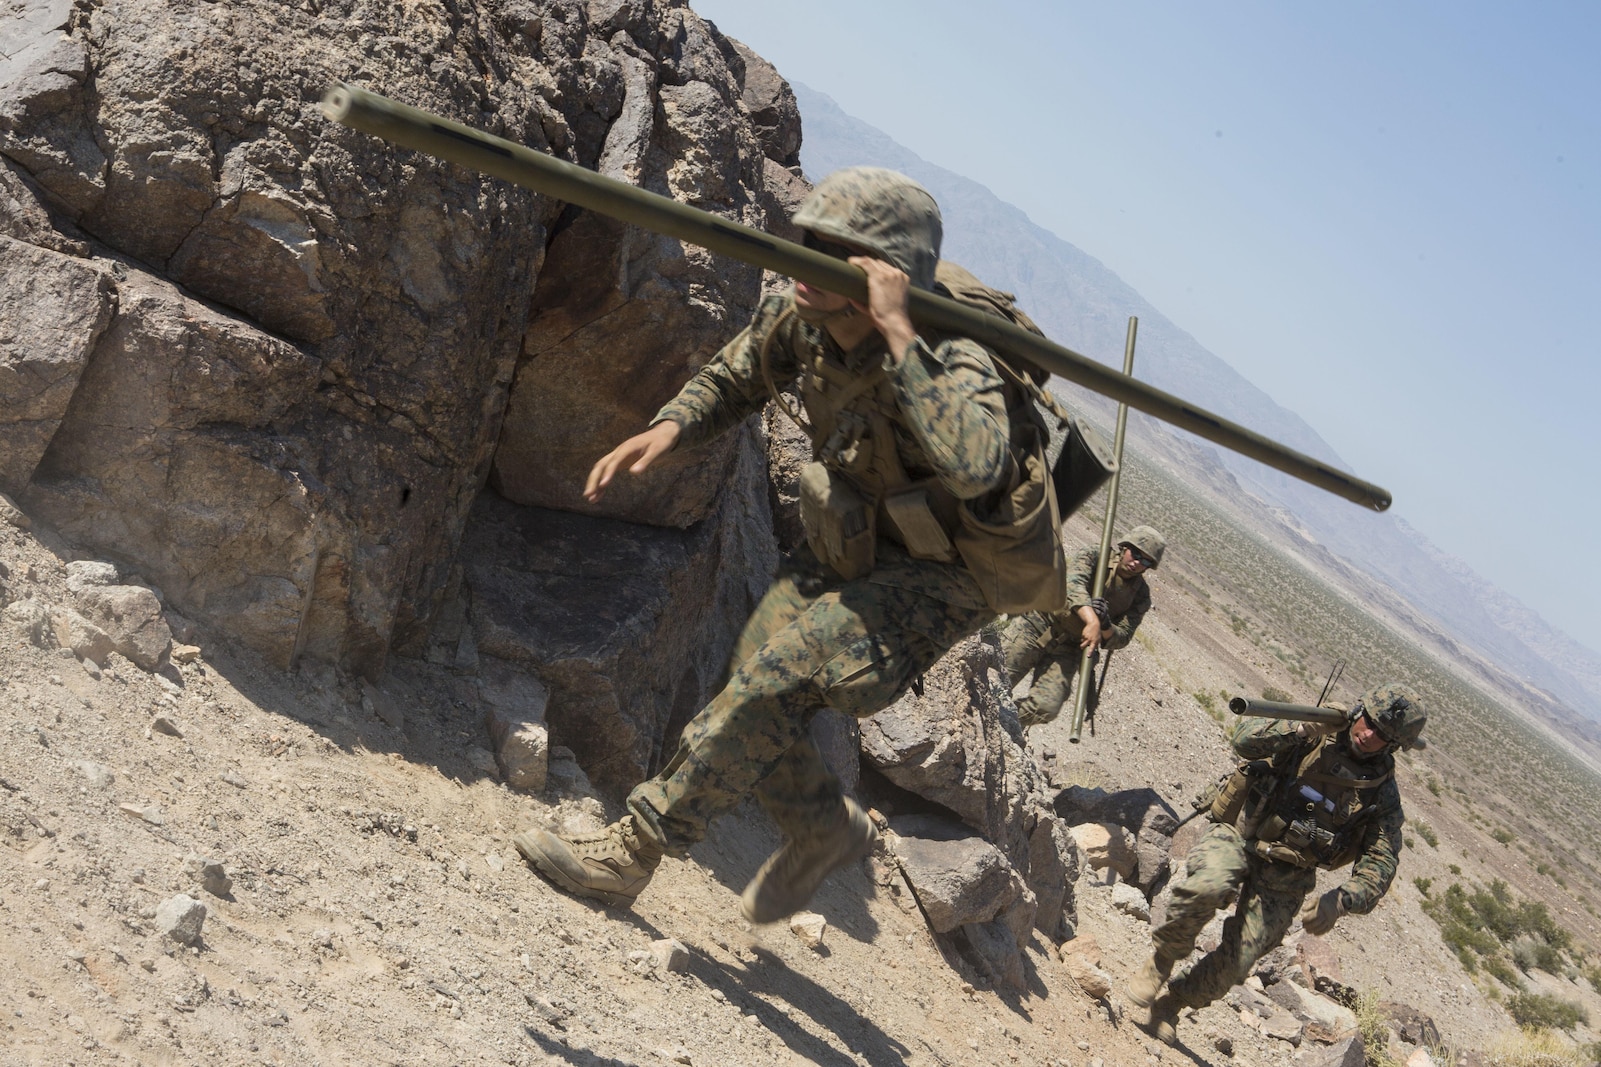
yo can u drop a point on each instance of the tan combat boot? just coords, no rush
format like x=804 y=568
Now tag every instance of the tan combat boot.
x=1162 y=1023
x=787 y=881
x=1146 y=984
x=613 y=864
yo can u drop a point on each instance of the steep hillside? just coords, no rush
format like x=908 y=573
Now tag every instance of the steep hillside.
x=349 y=845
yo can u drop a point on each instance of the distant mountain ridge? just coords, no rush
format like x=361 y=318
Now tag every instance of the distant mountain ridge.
x=1079 y=302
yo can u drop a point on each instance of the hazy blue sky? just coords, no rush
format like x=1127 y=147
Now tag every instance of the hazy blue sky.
x=1388 y=216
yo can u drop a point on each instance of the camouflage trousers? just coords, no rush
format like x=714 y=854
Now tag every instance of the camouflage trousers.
x=1027 y=646
x=814 y=641
x=1270 y=894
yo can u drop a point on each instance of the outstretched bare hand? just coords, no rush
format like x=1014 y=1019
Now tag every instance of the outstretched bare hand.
x=637 y=454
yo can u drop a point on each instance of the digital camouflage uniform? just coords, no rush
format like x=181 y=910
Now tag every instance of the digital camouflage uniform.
x=817 y=640
x=1272 y=890
x=908 y=454
x=1047 y=643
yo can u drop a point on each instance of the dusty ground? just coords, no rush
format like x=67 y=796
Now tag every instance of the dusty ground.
x=379 y=915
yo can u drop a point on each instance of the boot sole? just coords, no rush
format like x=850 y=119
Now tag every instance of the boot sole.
x=553 y=874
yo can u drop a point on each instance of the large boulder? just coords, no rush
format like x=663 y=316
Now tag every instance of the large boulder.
x=283 y=351
x=958 y=743
x=1142 y=812
x=959 y=877
x=53 y=310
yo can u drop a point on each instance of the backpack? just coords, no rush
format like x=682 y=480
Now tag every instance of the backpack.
x=1078 y=457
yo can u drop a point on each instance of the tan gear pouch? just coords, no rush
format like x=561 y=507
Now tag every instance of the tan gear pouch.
x=1015 y=551
x=1225 y=799
x=911 y=513
x=838 y=522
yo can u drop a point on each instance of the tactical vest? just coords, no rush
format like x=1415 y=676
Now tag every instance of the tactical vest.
x=858 y=488
x=1316 y=814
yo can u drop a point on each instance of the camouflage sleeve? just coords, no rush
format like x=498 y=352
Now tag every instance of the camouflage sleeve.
x=1081 y=578
x=731 y=386
x=1123 y=629
x=1254 y=737
x=1376 y=864
x=954 y=403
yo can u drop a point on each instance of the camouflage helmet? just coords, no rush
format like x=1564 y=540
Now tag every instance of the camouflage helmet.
x=879 y=210
x=1147 y=542
x=1397 y=714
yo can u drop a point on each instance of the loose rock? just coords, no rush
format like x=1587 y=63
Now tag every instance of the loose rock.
x=1130 y=901
x=181 y=918
x=809 y=927
x=670 y=955
x=209 y=873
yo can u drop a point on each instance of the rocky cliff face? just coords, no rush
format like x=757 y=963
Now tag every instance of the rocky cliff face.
x=269 y=364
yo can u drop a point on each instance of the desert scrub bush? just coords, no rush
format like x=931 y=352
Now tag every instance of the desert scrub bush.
x=1531 y=952
x=1209 y=702
x=1592 y=974
x=1371 y=1023
x=1502 y=835
x=1278 y=695
x=1543 y=1012
x=1498 y=968
x=1425 y=831
x=1535 y=1048
x=1423 y=884
x=1484 y=926
x=1433 y=784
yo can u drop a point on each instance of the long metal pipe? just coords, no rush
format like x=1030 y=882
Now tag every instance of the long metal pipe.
x=449 y=140
x=1273 y=709
x=1086 y=675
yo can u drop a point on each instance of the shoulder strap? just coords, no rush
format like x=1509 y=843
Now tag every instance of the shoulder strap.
x=767 y=372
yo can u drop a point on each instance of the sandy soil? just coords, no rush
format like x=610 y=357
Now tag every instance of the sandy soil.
x=378 y=914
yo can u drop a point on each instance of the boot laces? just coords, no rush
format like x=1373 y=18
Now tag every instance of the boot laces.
x=605 y=841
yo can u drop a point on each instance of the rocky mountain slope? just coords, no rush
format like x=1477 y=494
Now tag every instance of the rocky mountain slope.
x=220 y=861
x=302 y=618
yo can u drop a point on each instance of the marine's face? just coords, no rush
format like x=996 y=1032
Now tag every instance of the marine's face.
x=1131 y=564
x=819 y=300
x=1365 y=740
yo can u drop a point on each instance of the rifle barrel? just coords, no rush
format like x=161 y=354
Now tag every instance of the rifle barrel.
x=1272 y=709
x=413 y=128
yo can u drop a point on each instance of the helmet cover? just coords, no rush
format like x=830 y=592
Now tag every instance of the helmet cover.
x=881 y=211
x=1147 y=542
x=1397 y=714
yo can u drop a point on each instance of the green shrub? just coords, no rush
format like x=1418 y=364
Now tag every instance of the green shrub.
x=1538 y=1011
x=1503 y=835
x=1502 y=971
x=1434 y=784
x=1278 y=695
x=1456 y=870
x=1423 y=884
x=1425 y=831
